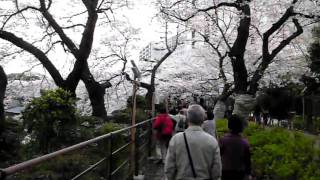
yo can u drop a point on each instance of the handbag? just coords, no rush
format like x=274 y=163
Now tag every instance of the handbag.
x=189 y=156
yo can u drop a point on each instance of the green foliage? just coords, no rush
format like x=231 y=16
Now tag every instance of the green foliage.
x=118 y=141
x=299 y=124
x=141 y=102
x=222 y=127
x=10 y=142
x=64 y=167
x=124 y=116
x=50 y=119
x=69 y=165
x=281 y=154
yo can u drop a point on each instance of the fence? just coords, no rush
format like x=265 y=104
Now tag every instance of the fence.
x=143 y=143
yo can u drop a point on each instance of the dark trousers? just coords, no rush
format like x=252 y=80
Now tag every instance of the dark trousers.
x=166 y=139
x=233 y=175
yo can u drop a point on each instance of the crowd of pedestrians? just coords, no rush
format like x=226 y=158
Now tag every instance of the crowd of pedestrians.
x=190 y=149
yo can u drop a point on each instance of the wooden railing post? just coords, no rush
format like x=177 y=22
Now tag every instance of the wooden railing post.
x=133 y=130
x=109 y=159
x=136 y=163
x=149 y=138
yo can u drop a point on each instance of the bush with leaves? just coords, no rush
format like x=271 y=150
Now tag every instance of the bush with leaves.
x=279 y=153
x=71 y=164
x=300 y=124
x=50 y=119
x=124 y=115
x=10 y=142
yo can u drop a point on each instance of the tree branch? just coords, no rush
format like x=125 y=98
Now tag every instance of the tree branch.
x=41 y=56
x=223 y=4
x=58 y=29
x=267 y=59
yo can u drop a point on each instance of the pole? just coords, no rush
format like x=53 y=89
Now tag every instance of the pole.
x=167 y=104
x=133 y=130
x=153 y=108
x=303 y=110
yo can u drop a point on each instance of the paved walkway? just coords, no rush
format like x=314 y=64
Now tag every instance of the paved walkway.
x=154 y=171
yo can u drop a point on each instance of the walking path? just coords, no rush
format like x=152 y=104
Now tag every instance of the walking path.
x=154 y=171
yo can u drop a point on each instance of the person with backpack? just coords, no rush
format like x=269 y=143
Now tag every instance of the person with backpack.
x=193 y=154
x=163 y=125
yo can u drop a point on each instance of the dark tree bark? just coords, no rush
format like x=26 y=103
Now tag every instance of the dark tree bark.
x=238 y=49
x=267 y=57
x=96 y=93
x=95 y=90
x=80 y=70
x=3 y=86
x=151 y=87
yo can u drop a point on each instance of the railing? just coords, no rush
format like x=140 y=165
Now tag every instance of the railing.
x=143 y=142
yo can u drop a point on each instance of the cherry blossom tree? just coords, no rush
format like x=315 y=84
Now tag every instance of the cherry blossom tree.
x=258 y=32
x=50 y=34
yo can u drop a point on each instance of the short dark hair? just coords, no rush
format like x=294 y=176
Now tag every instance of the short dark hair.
x=210 y=114
x=162 y=109
x=235 y=124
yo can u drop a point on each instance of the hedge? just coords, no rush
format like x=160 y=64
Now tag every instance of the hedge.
x=280 y=153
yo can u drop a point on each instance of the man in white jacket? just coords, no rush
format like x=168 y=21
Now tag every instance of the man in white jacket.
x=203 y=161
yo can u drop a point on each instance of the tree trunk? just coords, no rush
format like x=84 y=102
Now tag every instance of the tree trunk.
x=243 y=106
x=149 y=99
x=149 y=95
x=219 y=110
x=238 y=49
x=96 y=93
x=3 y=86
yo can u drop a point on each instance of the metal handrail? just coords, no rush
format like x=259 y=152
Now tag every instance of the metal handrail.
x=33 y=162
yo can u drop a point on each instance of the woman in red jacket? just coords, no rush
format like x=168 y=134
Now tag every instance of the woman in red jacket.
x=164 y=128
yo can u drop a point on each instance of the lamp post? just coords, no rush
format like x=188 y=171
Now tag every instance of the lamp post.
x=137 y=76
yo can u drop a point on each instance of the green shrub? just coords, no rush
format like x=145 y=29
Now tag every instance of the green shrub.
x=67 y=166
x=124 y=116
x=281 y=154
x=50 y=119
x=298 y=123
x=63 y=167
x=222 y=127
x=10 y=142
x=118 y=140
x=140 y=102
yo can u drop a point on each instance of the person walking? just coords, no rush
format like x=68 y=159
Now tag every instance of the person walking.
x=235 y=152
x=193 y=154
x=209 y=126
x=164 y=128
x=181 y=121
x=257 y=114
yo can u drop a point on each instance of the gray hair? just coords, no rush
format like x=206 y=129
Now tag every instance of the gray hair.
x=196 y=114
